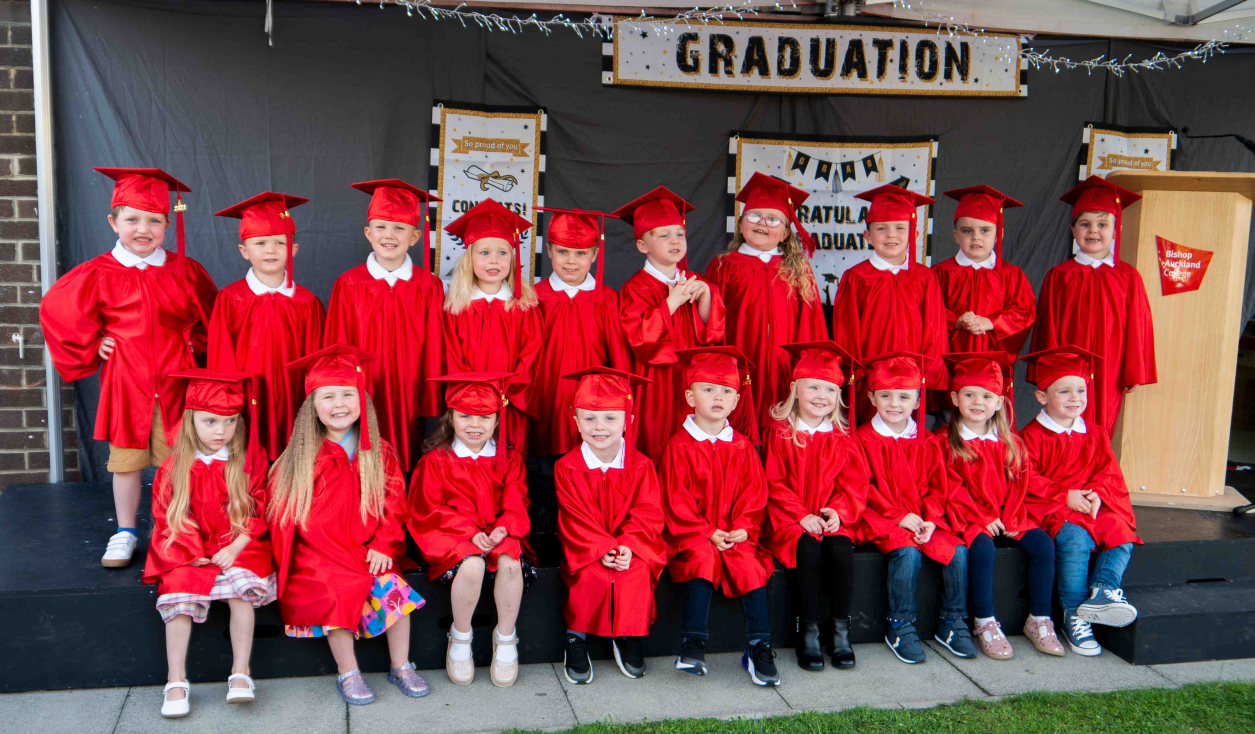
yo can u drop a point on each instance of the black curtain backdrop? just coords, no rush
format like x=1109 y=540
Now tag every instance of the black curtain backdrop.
x=345 y=95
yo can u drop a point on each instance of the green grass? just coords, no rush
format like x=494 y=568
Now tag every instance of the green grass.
x=1198 y=707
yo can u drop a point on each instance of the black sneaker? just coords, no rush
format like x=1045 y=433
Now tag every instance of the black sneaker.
x=954 y=635
x=760 y=661
x=627 y=653
x=1107 y=606
x=905 y=643
x=576 y=666
x=692 y=657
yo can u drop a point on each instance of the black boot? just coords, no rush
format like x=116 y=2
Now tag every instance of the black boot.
x=839 y=644
x=809 y=654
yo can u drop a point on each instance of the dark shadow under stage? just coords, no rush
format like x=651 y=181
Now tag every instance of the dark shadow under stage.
x=69 y=623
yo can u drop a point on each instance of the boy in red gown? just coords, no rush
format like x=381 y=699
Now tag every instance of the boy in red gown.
x=1096 y=301
x=138 y=313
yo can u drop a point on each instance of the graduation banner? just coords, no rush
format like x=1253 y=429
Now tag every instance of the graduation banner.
x=832 y=170
x=480 y=152
x=799 y=58
x=1106 y=148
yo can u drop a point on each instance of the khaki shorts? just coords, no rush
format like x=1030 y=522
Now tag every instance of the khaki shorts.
x=124 y=460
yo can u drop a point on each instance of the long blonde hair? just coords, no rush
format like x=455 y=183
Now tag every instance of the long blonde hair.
x=1014 y=450
x=292 y=476
x=462 y=285
x=239 y=501
x=795 y=268
x=789 y=410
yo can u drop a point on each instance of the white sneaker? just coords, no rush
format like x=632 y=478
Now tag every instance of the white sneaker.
x=1107 y=606
x=119 y=551
x=175 y=709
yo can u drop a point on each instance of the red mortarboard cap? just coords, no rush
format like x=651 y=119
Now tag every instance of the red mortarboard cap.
x=265 y=215
x=984 y=203
x=990 y=370
x=148 y=189
x=891 y=203
x=578 y=229
x=718 y=365
x=394 y=200
x=1097 y=194
x=480 y=393
x=226 y=393
x=899 y=371
x=338 y=365
x=659 y=208
x=605 y=388
x=1048 y=365
x=822 y=360
x=488 y=218
x=767 y=192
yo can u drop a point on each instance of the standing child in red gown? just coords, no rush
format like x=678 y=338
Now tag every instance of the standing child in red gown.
x=769 y=292
x=337 y=516
x=389 y=307
x=265 y=320
x=138 y=313
x=664 y=308
x=610 y=524
x=468 y=515
x=209 y=539
x=1098 y=302
x=817 y=483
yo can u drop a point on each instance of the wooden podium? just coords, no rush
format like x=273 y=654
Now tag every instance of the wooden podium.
x=1173 y=437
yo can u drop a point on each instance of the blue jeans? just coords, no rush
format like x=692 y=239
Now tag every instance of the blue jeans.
x=697 y=596
x=1041 y=572
x=1073 y=547
x=904 y=566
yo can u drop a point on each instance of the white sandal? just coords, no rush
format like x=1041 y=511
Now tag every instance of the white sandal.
x=176 y=709
x=240 y=695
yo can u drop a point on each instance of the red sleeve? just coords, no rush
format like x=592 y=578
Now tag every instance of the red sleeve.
x=884 y=508
x=431 y=394
x=514 y=502
x=618 y=355
x=1013 y=322
x=339 y=328
x=646 y=325
x=518 y=386
x=935 y=338
x=389 y=536
x=454 y=360
x=712 y=331
x=1045 y=334
x=784 y=504
x=749 y=508
x=580 y=524
x=1139 y=338
x=257 y=489
x=937 y=493
x=686 y=527
x=70 y=317
x=853 y=484
x=641 y=531
x=186 y=548
x=314 y=329
x=847 y=328
x=204 y=293
x=221 y=342
x=952 y=316
x=1108 y=480
x=811 y=323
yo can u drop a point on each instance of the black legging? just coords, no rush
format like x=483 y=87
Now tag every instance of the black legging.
x=835 y=555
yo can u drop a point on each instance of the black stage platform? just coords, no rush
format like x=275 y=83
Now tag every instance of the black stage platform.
x=73 y=624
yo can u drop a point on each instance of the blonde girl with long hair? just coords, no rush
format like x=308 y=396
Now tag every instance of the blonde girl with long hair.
x=209 y=540
x=990 y=468
x=769 y=292
x=337 y=509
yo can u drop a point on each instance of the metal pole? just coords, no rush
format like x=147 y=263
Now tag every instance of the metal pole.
x=46 y=193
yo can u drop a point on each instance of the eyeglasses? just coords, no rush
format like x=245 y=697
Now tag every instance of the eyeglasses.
x=755 y=218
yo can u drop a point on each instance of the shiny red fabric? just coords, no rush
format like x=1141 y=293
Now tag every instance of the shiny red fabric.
x=264 y=215
x=708 y=487
x=155 y=321
x=1052 y=365
x=146 y=189
x=322 y=571
x=988 y=370
x=766 y=192
x=980 y=492
x=895 y=371
x=598 y=512
x=829 y=471
x=394 y=200
x=171 y=567
x=654 y=334
x=489 y=218
x=1001 y=294
x=218 y=392
x=452 y=499
x=402 y=326
x=660 y=207
x=718 y=365
x=986 y=204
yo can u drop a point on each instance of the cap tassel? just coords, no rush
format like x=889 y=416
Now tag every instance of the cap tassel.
x=684 y=261
x=518 y=265
x=364 y=398
x=998 y=244
x=179 y=206
x=850 y=412
x=601 y=253
x=923 y=398
x=808 y=242
x=629 y=461
x=424 y=234
x=257 y=459
x=1116 y=238
x=503 y=438
x=290 y=228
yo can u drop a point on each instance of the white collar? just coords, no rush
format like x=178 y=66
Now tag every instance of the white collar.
x=592 y=462
x=489 y=449
x=649 y=268
x=377 y=271
x=764 y=255
x=883 y=428
x=967 y=434
x=967 y=262
x=156 y=258
x=690 y=425
x=880 y=263
x=825 y=427
x=1078 y=426
x=502 y=294
x=1082 y=258
x=221 y=454
x=560 y=286
x=261 y=289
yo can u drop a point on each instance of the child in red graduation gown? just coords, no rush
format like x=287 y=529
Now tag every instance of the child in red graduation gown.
x=610 y=523
x=908 y=511
x=209 y=538
x=769 y=291
x=817 y=483
x=391 y=308
x=715 y=499
x=991 y=468
x=138 y=314
x=664 y=308
x=491 y=323
x=265 y=320
x=891 y=301
x=1098 y=302
x=337 y=514
x=1079 y=498
x=468 y=515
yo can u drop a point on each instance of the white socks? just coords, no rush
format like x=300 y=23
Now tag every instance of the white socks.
x=460 y=651
x=980 y=621
x=506 y=653
x=1036 y=618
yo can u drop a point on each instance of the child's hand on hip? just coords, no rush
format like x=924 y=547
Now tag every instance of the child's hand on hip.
x=378 y=562
x=106 y=348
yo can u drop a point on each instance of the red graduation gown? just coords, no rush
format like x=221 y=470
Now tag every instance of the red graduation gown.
x=170 y=567
x=763 y=313
x=1001 y=294
x=1064 y=461
x=260 y=335
x=453 y=498
x=1104 y=310
x=708 y=487
x=401 y=326
x=829 y=471
x=908 y=476
x=323 y=575
x=158 y=331
x=598 y=512
x=577 y=333
x=875 y=312
x=654 y=333
x=979 y=491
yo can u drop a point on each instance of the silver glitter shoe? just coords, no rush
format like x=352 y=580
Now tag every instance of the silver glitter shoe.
x=353 y=688
x=410 y=682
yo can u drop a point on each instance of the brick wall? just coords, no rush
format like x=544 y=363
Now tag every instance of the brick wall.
x=23 y=410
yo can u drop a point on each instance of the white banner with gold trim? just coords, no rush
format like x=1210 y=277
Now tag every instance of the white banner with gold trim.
x=1106 y=148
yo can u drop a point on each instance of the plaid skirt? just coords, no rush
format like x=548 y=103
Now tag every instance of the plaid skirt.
x=233 y=583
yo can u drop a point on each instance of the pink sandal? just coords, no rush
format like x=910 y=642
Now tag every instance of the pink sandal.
x=1042 y=634
x=992 y=642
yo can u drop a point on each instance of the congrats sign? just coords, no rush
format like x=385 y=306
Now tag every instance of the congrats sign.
x=1107 y=148
x=820 y=59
